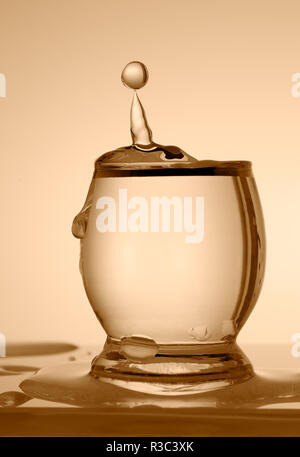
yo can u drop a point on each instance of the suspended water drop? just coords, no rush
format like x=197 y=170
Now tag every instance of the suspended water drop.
x=135 y=75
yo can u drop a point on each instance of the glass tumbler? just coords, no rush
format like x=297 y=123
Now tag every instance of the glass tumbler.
x=172 y=260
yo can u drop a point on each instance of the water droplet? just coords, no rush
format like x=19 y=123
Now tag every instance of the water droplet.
x=138 y=348
x=13 y=399
x=135 y=75
x=200 y=332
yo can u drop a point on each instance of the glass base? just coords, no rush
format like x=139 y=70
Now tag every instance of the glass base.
x=170 y=369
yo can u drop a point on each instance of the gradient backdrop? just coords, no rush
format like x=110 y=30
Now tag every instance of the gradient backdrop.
x=220 y=87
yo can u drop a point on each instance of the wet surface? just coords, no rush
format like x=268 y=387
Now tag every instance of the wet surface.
x=35 y=349
x=16 y=369
x=63 y=399
x=72 y=384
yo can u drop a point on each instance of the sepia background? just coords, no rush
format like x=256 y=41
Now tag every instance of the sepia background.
x=220 y=87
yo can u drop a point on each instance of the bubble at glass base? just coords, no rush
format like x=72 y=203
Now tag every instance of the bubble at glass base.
x=172 y=259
